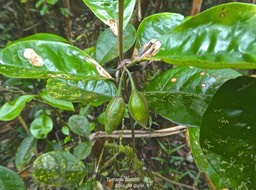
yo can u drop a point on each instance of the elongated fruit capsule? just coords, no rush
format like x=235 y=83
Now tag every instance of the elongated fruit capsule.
x=114 y=114
x=138 y=108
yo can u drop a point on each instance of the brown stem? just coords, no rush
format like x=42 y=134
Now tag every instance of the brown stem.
x=196 y=7
x=120 y=29
x=68 y=22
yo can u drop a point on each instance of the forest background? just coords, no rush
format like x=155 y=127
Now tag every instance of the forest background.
x=73 y=20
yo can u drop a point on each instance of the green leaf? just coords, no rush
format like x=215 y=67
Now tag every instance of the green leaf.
x=61 y=104
x=48 y=59
x=42 y=36
x=101 y=118
x=79 y=125
x=65 y=130
x=58 y=168
x=155 y=26
x=65 y=11
x=25 y=152
x=66 y=139
x=44 y=10
x=223 y=36
x=92 y=91
x=9 y=180
x=53 y=146
x=92 y=126
x=39 y=3
x=41 y=126
x=108 y=9
x=228 y=132
x=200 y=159
x=91 y=51
x=83 y=150
x=11 y=110
x=52 y=2
x=86 y=110
x=107 y=44
x=182 y=94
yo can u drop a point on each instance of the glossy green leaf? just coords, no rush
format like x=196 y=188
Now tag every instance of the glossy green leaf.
x=228 y=132
x=58 y=168
x=11 y=110
x=42 y=36
x=108 y=9
x=92 y=91
x=155 y=26
x=107 y=44
x=200 y=159
x=25 y=152
x=41 y=126
x=79 y=125
x=223 y=36
x=48 y=59
x=9 y=180
x=182 y=94
x=83 y=150
x=61 y=104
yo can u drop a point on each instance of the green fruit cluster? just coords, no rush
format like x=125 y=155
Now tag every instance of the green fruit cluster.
x=138 y=107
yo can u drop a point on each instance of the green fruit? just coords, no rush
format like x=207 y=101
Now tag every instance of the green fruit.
x=138 y=107
x=114 y=114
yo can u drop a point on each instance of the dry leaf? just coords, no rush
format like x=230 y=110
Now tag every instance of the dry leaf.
x=33 y=57
x=99 y=68
x=113 y=26
x=150 y=49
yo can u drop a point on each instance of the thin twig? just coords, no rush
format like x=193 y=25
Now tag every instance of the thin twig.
x=23 y=123
x=98 y=164
x=174 y=182
x=139 y=133
x=33 y=26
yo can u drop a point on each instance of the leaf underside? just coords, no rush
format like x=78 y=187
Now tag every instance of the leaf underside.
x=228 y=132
